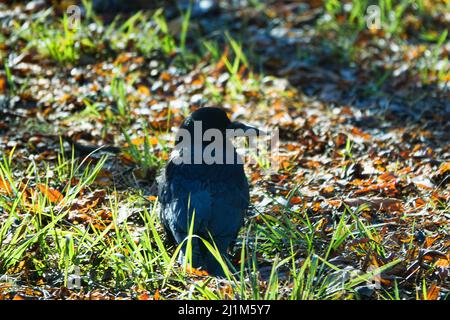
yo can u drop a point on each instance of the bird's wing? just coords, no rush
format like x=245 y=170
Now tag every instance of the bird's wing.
x=229 y=206
x=180 y=198
x=219 y=205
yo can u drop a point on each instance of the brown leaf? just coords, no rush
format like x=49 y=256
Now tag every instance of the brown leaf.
x=5 y=187
x=444 y=262
x=444 y=168
x=430 y=240
x=389 y=186
x=196 y=272
x=2 y=84
x=165 y=76
x=144 y=90
x=52 y=194
x=222 y=60
x=327 y=191
x=151 y=140
x=296 y=200
x=382 y=204
x=144 y=296
x=334 y=203
x=420 y=202
x=433 y=292
x=386 y=177
x=358 y=132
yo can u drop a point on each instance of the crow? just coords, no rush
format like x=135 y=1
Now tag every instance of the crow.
x=214 y=195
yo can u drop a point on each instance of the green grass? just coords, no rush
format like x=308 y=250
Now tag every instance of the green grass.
x=347 y=21
x=112 y=235
x=143 y=151
x=355 y=13
x=37 y=235
x=64 y=46
x=9 y=77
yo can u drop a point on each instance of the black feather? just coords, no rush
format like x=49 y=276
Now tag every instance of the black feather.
x=218 y=193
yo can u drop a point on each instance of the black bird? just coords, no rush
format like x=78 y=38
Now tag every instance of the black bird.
x=217 y=194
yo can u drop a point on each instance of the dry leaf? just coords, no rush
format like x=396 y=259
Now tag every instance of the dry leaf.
x=144 y=296
x=52 y=194
x=433 y=292
x=5 y=187
x=144 y=90
x=2 y=84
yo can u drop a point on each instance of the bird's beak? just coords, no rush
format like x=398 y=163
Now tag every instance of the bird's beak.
x=242 y=130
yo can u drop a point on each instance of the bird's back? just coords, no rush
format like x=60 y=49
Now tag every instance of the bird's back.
x=217 y=193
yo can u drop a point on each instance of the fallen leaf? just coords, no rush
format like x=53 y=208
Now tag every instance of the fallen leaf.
x=165 y=76
x=144 y=90
x=52 y=194
x=386 y=177
x=444 y=168
x=382 y=204
x=5 y=187
x=433 y=292
x=296 y=200
x=144 y=296
x=196 y=272
x=2 y=84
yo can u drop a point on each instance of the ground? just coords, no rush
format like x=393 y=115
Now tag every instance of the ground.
x=358 y=208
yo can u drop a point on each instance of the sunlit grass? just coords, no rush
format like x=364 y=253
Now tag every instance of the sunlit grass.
x=283 y=253
x=36 y=235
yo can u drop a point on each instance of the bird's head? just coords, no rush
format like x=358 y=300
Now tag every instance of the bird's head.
x=216 y=118
x=210 y=129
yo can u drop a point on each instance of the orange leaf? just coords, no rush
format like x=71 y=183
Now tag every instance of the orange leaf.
x=433 y=292
x=316 y=206
x=404 y=171
x=386 y=177
x=327 y=190
x=165 y=76
x=198 y=82
x=156 y=295
x=358 y=132
x=423 y=186
x=378 y=187
x=444 y=168
x=296 y=200
x=420 y=202
x=138 y=141
x=430 y=240
x=122 y=58
x=222 y=60
x=151 y=140
x=2 y=84
x=144 y=296
x=334 y=203
x=443 y=262
x=4 y=185
x=196 y=272
x=52 y=194
x=144 y=90
x=241 y=71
